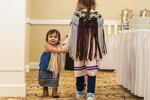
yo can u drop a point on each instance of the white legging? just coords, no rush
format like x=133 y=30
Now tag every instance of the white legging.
x=85 y=67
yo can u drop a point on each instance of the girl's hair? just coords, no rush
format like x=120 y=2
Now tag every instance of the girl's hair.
x=52 y=31
x=89 y=4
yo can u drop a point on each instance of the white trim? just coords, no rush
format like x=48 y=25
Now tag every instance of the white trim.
x=34 y=65
x=112 y=22
x=48 y=21
x=12 y=90
x=11 y=69
x=63 y=22
x=109 y=23
x=27 y=68
x=109 y=29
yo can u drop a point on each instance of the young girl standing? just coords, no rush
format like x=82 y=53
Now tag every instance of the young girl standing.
x=86 y=45
x=50 y=64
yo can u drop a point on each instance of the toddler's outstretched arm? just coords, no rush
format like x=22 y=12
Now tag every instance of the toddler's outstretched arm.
x=53 y=49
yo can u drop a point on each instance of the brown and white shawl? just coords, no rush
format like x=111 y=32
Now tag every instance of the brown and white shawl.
x=87 y=40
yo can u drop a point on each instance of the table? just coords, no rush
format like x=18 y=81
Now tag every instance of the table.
x=133 y=66
x=108 y=62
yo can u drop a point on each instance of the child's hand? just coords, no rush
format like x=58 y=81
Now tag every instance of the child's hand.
x=53 y=49
x=63 y=50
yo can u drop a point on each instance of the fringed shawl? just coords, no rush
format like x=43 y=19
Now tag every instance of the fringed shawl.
x=55 y=63
x=86 y=31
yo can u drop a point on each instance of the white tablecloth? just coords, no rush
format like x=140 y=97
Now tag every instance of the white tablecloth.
x=133 y=61
x=108 y=62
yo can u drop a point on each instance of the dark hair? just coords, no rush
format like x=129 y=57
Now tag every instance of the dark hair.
x=52 y=31
x=89 y=4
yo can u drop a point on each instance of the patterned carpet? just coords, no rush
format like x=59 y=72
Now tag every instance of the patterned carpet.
x=106 y=88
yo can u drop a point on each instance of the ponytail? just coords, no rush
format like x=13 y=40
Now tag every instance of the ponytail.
x=88 y=11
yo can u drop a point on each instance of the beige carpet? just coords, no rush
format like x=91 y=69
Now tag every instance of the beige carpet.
x=106 y=88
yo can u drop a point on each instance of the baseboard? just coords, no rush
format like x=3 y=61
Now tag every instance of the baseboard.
x=107 y=68
x=12 y=90
x=27 y=69
x=34 y=65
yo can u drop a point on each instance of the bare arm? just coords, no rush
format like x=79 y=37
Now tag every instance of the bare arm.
x=53 y=49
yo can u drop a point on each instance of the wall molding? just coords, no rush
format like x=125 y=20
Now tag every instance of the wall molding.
x=11 y=69
x=12 y=90
x=48 y=21
x=63 y=22
x=112 y=25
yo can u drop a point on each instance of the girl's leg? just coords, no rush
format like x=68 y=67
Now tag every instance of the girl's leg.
x=91 y=69
x=79 y=70
x=91 y=87
x=91 y=84
x=80 y=87
x=45 y=91
x=55 y=93
x=80 y=83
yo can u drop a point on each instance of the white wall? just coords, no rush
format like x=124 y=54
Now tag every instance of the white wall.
x=12 y=47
